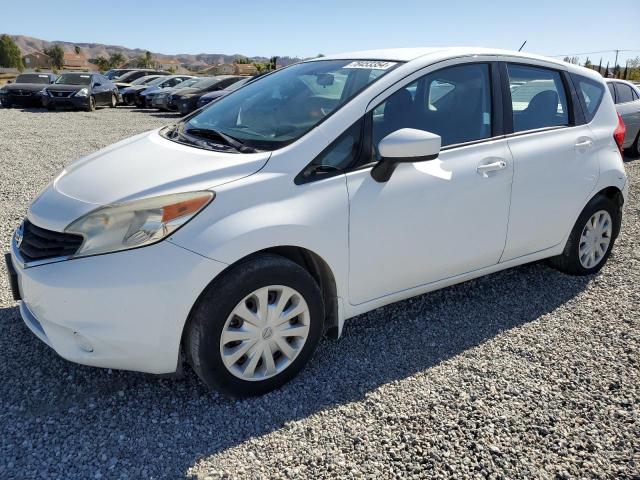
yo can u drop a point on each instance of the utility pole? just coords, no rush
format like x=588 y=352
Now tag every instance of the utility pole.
x=615 y=64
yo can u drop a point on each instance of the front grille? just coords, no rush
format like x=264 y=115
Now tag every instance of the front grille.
x=61 y=94
x=39 y=243
x=24 y=93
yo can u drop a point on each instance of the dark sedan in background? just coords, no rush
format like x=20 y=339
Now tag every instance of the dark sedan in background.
x=186 y=100
x=626 y=96
x=127 y=93
x=161 y=100
x=127 y=79
x=143 y=95
x=80 y=90
x=213 y=96
x=27 y=89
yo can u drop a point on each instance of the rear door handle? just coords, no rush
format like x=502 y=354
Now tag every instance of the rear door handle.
x=491 y=167
x=584 y=143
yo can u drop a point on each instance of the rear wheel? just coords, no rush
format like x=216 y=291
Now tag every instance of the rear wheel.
x=591 y=239
x=256 y=327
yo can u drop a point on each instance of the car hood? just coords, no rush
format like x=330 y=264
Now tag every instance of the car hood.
x=216 y=94
x=66 y=88
x=146 y=165
x=32 y=87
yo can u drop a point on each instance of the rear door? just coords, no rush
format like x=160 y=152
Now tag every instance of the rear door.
x=554 y=166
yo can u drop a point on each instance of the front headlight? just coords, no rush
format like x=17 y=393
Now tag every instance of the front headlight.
x=44 y=92
x=138 y=223
x=82 y=92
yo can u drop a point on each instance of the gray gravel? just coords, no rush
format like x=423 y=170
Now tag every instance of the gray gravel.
x=526 y=373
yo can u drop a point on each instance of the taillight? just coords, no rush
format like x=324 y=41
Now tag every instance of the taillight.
x=618 y=134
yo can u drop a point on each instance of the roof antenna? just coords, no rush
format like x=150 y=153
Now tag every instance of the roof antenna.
x=522 y=46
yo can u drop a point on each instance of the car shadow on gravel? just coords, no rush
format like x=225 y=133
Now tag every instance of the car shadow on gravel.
x=151 y=427
x=157 y=113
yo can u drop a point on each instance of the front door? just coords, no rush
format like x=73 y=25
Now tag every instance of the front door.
x=434 y=219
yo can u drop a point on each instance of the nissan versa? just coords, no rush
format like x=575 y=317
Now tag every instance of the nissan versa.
x=80 y=90
x=238 y=236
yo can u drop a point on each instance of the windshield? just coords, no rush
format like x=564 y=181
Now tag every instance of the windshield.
x=189 y=82
x=32 y=78
x=286 y=104
x=144 y=80
x=74 y=79
x=111 y=74
x=238 y=84
x=204 y=82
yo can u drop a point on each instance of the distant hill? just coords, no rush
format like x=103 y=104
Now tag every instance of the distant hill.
x=94 y=50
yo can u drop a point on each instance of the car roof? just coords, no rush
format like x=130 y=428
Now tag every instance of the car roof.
x=409 y=54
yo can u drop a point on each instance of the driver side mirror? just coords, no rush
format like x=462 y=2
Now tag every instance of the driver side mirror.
x=97 y=84
x=406 y=145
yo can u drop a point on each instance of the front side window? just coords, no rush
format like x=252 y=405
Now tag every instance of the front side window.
x=454 y=103
x=591 y=93
x=538 y=98
x=624 y=93
x=288 y=103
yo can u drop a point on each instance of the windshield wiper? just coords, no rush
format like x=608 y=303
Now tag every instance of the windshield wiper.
x=212 y=134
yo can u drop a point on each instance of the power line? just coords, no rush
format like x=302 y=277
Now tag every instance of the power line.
x=593 y=53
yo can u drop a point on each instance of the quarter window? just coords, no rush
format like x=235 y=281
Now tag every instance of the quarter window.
x=624 y=93
x=612 y=91
x=454 y=103
x=538 y=98
x=591 y=93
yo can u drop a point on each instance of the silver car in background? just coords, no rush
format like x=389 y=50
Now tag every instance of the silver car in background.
x=626 y=96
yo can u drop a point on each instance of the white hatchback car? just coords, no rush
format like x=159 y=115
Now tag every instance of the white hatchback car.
x=238 y=236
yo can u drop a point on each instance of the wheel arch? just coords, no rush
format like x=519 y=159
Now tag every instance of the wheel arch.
x=313 y=263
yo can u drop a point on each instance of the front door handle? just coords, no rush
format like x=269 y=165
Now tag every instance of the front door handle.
x=491 y=167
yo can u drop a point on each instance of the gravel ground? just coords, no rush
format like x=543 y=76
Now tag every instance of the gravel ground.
x=526 y=373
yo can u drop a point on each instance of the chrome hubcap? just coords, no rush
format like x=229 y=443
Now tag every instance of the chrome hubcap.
x=595 y=239
x=265 y=332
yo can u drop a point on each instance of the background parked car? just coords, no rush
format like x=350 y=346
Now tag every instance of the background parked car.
x=142 y=97
x=161 y=99
x=128 y=92
x=127 y=79
x=80 y=90
x=26 y=90
x=115 y=73
x=187 y=101
x=211 y=96
x=626 y=96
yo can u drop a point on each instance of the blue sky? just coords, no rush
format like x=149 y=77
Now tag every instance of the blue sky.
x=306 y=28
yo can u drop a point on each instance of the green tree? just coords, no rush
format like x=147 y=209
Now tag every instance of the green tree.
x=10 y=55
x=587 y=63
x=76 y=49
x=102 y=63
x=634 y=69
x=116 y=59
x=56 y=53
x=241 y=60
x=146 y=61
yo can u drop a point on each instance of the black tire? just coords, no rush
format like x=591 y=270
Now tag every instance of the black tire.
x=92 y=104
x=634 y=151
x=569 y=261
x=6 y=104
x=209 y=314
x=114 y=101
x=51 y=107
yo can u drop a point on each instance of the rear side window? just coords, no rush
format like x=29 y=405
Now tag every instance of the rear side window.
x=590 y=93
x=538 y=98
x=624 y=93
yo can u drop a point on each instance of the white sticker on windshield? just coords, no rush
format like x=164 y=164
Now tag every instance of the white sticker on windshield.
x=84 y=76
x=370 y=64
x=43 y=76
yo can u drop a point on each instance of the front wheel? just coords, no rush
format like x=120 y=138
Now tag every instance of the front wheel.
x=591 y=239
x=92 y=104
x=256 y=327
x=114 y=101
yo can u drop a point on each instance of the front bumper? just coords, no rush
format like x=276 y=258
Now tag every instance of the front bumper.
x=123 y=310
x=72 y=101
x=34 y=100
x=187 y=105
